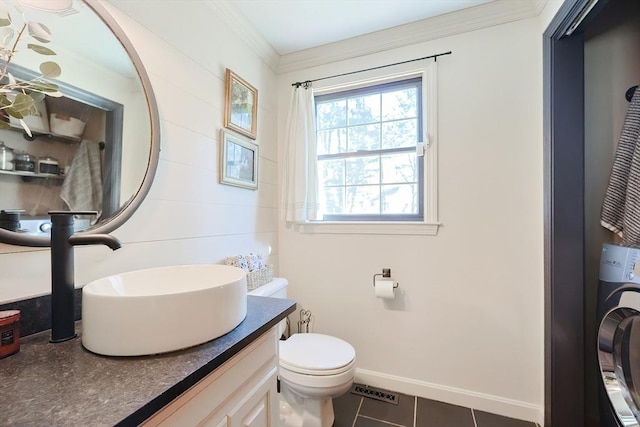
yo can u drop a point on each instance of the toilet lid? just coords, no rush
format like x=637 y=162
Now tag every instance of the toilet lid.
x=316 y=353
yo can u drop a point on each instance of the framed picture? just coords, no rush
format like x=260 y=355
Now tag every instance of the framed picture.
x=240 y=105
x=239 y=161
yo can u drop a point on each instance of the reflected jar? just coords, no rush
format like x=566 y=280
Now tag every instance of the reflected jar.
x=6 y=157
x=24 y=162
x=48 y=166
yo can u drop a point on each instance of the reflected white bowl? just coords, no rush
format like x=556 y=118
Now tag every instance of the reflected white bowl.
x=162 y=309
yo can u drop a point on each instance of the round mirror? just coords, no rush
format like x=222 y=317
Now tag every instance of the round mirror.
x=89 y=138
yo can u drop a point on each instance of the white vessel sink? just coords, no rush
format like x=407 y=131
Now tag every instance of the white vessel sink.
x=162 y=309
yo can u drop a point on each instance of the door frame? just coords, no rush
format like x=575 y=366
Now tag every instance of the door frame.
x=564 y=233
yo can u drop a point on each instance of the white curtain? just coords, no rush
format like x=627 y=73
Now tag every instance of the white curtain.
x=300 y=184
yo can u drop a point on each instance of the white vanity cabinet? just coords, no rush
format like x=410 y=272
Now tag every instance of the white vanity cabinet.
x=241 y=392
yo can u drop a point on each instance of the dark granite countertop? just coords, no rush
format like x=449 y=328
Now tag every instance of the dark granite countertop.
x=65 y=385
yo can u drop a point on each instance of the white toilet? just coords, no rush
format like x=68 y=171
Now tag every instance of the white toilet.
x=314 y=368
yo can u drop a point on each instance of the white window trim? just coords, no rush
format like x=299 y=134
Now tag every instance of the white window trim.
x=368 y=227
x=431 y=224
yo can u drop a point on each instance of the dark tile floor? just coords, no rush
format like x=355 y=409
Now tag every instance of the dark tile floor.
x=352 y=410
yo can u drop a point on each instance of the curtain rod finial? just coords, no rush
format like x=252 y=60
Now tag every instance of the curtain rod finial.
x=305 y=84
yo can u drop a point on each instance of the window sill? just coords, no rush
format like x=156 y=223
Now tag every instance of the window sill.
x=397 y=228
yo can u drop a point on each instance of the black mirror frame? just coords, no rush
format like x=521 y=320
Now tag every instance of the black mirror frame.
x=136 y=200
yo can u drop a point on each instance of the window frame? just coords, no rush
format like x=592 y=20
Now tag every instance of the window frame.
x=380 y=88
x=430 y=223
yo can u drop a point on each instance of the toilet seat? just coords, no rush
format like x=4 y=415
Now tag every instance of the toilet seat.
x=316 y=372
x=316 y=354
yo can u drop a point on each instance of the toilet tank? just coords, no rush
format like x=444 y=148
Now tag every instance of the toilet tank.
x=277 y=288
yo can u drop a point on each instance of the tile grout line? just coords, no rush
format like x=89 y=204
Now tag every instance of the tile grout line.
x=473 y=415
x=357 y=412
x=415 y=411
x=381 y=421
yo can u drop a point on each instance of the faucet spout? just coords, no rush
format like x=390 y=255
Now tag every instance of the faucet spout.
x=62 y=265
x=95 y=239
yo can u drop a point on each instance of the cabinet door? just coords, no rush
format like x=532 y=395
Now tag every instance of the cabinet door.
x=260 y=407
x=235 y=388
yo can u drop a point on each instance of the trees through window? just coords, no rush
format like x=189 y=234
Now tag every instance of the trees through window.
x=366 y=145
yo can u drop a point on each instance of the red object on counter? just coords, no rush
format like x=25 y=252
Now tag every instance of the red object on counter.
x=9 y=332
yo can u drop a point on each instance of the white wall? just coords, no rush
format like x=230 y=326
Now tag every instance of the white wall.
x=188 y=216
x=468 y=326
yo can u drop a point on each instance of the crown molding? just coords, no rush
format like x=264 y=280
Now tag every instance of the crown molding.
x=483 y=16
x=539 y=5
x=246 y=32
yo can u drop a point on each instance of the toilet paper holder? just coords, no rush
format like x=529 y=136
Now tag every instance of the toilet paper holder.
x=386 y=272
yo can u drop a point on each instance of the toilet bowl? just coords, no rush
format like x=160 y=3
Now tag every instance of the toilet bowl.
x=314 y=369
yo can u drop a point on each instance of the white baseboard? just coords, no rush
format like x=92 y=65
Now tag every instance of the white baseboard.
x=470 y=399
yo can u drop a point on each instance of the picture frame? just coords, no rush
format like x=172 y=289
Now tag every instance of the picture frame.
x=238 y=160
x=240 y=105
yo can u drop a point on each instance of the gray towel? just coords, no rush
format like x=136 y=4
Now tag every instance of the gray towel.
x=621 y=206
x=82 y=187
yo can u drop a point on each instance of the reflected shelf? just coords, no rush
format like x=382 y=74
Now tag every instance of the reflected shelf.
x=36 y=134
x=26 y=175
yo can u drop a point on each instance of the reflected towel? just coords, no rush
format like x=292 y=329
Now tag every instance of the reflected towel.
x=82 y=187
x=621 y=206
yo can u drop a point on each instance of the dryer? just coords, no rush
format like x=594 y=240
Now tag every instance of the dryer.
x=619 y=336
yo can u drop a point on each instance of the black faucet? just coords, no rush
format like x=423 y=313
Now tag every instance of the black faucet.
x=62 y=278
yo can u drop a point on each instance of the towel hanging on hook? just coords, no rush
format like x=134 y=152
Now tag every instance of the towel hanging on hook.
x=621 y=205
x=630 y=92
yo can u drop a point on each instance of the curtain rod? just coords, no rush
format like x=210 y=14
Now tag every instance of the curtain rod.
x=308 y=82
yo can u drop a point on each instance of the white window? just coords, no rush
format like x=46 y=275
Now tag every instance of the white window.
x=366 y=144
x=376 y=155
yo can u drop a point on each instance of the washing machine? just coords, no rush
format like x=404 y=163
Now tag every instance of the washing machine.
x=619 y=336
